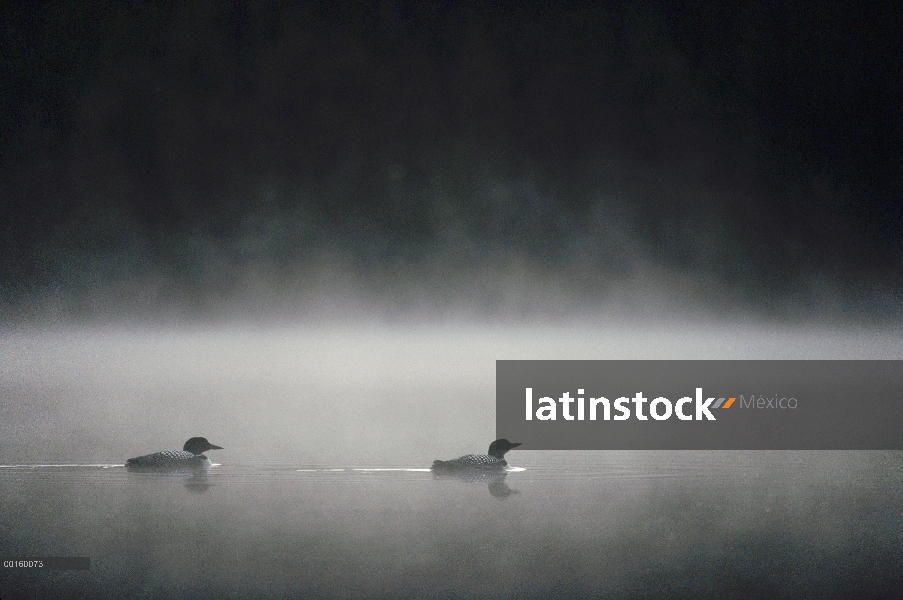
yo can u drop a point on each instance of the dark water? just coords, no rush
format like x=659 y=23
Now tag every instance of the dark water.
x=603 y=524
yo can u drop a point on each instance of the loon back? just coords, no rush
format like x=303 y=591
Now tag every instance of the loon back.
x=495 y=459
x=191 y=456
x=168 y=458
x=471 y=461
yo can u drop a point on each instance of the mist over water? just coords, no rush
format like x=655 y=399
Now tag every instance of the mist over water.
x=306 y=409
x=363 y=393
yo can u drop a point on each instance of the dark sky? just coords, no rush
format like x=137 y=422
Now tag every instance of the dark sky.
x=189 y=150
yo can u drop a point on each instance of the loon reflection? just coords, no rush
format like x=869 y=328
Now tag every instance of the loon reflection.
x=197 y=483
x=190 y=457
x=494 y=478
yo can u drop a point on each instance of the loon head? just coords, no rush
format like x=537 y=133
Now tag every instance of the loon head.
x=499 y=447
x=199 y=445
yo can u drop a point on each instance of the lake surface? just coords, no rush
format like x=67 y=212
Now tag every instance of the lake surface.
x=305 y=414
x=568 y=524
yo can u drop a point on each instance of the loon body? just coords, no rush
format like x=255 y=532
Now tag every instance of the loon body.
x=191 y=456
x=494 y=460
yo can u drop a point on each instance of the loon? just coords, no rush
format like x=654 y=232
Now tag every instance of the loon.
x=190 y=456
x=495 y=459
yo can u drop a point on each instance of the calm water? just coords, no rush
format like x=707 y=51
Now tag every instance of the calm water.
x=602 y=524
x=301 y=410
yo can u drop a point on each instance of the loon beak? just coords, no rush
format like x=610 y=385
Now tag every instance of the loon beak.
x=212 y=447
x=516 y=444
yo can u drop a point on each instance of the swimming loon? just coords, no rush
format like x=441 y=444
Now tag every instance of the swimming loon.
x=495 y=459
x=190 y=456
